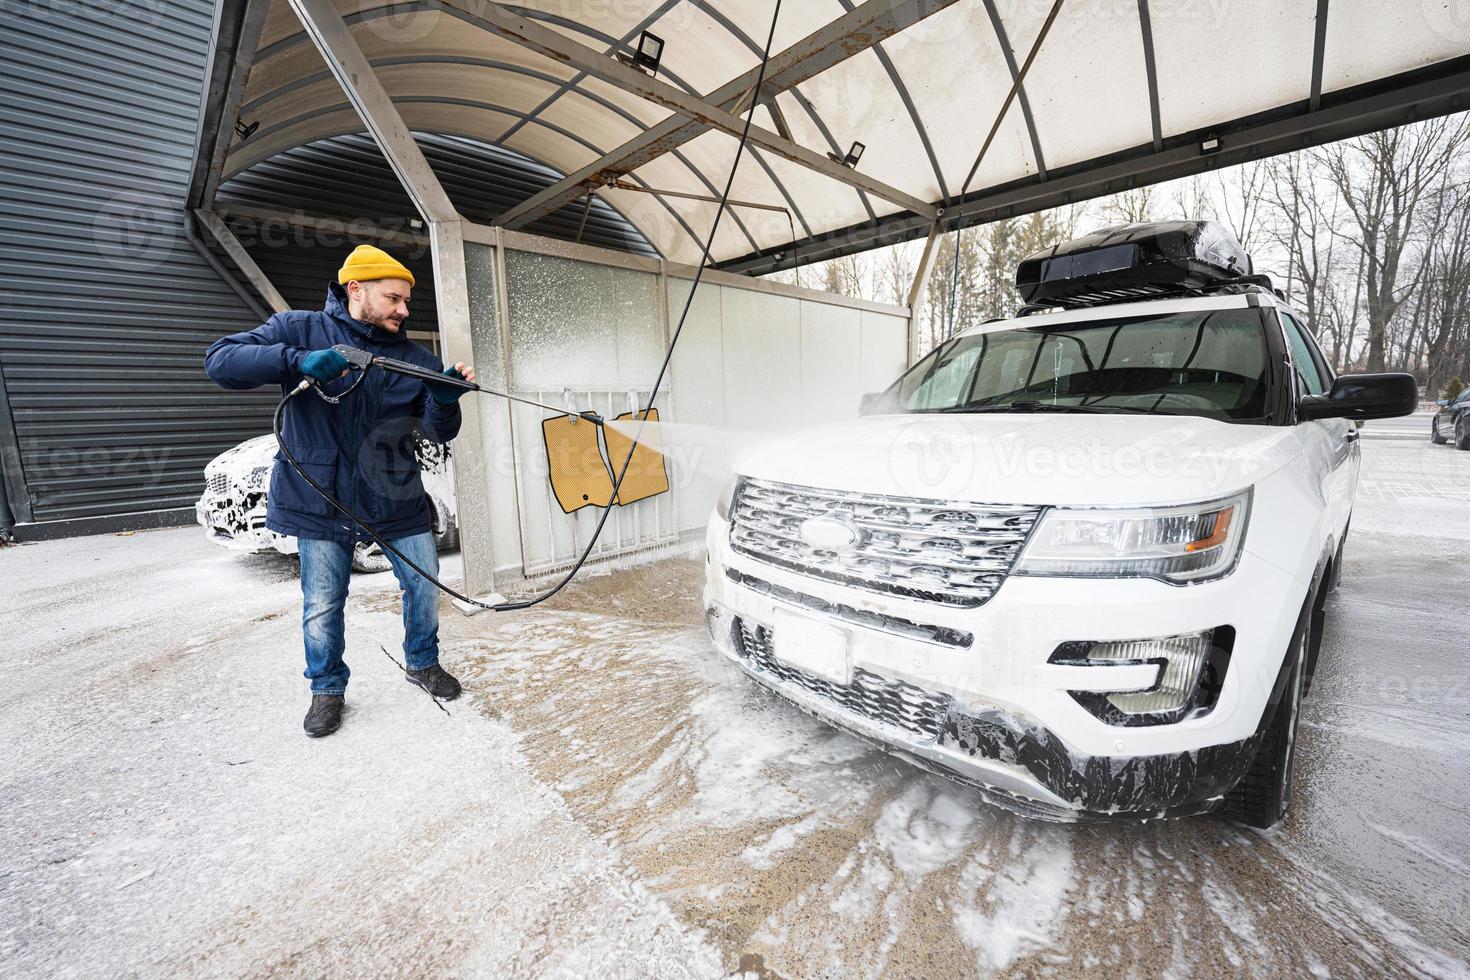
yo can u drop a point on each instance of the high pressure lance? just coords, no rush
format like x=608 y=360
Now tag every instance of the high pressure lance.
x=364 y=361
x=361 y=360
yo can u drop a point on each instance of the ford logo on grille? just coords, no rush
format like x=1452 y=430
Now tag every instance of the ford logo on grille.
x=829 y=534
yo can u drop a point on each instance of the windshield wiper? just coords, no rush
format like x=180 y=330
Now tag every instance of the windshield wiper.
x=1030 y=405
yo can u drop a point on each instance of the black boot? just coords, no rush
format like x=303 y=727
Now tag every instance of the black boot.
x=324 y=715
x=436 y=680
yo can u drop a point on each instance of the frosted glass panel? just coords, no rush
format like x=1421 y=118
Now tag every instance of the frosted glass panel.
x=578 y=325
x=489 y=354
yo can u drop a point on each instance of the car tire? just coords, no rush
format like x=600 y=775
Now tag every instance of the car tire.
x=1462 y=433
x=1263 y=795
x=368 y=557
x=448 y=539
x=1434 y=435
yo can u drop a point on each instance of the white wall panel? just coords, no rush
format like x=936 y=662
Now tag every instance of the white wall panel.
x=698 y=398
x=885 y=350
x=831 y=361
x=762 y=348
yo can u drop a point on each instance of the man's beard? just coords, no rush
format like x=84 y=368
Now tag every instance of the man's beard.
x=386 y=323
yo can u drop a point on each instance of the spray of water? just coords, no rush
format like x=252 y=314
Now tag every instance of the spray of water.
x=696 y=449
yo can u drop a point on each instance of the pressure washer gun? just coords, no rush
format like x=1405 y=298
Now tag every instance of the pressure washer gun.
x=361 y=360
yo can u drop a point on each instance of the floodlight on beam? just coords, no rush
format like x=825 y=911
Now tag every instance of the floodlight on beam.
x=854 y=154
x=646 y=57
x=1208 y=145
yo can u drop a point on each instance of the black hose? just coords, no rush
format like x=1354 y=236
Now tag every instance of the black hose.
x=673 y=341
x=643 y=415
x=327 y=496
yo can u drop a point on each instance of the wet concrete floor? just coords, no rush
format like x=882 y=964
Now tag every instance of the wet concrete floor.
x=610 y=798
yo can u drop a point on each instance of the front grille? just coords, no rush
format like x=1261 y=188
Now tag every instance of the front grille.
x=860 y=617
x=218 y=485
x=891 y=702
x=935 y=550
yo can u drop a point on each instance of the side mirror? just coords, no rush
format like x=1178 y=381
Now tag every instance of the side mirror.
x=868 y=402
x=1363 y=396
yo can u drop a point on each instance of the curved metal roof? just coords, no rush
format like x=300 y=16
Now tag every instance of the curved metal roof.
x=347 y=176
x=1118 y=92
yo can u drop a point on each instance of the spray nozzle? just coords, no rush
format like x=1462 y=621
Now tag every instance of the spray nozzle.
x=592 y=417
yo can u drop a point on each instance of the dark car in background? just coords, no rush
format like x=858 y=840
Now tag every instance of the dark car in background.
x=1452 y=421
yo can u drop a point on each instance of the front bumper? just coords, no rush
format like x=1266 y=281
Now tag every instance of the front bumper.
x=970 y=693
x=237 y=522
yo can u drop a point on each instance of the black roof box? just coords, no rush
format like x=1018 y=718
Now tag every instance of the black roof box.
x=1133 y=261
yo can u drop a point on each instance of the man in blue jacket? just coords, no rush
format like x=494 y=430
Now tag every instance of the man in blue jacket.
x=362 y=450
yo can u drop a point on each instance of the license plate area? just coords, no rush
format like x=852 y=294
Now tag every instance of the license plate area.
x=811 y=645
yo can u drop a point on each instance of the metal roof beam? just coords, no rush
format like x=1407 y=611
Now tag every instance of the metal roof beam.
x=355 y=74
x=1319 y=47
x=1421 y=94
x=242 y=259
x=844 y=37
x=1151 y=70
x=335 y=227
x=237 y=26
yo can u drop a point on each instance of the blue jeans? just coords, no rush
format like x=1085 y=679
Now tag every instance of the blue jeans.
x=325 y=568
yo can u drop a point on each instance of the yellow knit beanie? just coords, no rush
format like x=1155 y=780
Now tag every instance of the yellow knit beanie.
x=368 y=262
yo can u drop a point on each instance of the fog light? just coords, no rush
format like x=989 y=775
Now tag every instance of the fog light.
x=1191 y=675
x=1180 y=658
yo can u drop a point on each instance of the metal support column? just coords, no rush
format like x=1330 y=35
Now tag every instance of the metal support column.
x=916 y=291
x=472 y=462
x=346 y=61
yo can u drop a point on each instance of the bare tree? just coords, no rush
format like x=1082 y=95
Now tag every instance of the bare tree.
x=847 y=275
x=1192 y=199
x=1129 y=206
x=1442 y=304
x=1240 y=201
x=1382 y=178
x=1295 y=217
x=897 y=267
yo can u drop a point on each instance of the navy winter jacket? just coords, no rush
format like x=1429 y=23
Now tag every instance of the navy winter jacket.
x=362 y=450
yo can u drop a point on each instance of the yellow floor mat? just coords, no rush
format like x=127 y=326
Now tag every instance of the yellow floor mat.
x=579 y=475
x=647 y=476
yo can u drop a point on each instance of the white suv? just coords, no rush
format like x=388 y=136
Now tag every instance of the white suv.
x=1077 y=558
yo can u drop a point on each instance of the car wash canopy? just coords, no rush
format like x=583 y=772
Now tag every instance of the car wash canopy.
x=872 y=118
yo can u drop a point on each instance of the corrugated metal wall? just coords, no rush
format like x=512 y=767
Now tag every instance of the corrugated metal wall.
x=108 y=310
x=346 y=177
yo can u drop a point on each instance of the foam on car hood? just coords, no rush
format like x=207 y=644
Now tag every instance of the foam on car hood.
x=1030 y=458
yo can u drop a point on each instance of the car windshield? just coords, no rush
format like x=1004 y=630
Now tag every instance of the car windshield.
x=1203 y=362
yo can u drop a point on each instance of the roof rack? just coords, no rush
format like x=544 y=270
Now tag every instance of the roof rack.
x=1237 y=285
x=1136 y=261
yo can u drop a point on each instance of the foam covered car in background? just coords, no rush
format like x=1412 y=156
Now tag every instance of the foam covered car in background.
x=236 y=482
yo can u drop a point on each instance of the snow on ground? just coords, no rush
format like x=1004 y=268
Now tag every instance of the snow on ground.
x=164 y=814
x=610 y=798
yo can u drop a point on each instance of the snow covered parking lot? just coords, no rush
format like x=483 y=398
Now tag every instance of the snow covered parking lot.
x=610 y=799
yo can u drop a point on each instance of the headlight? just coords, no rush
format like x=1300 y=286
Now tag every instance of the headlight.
x=1181 y=545
x=727 y=497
